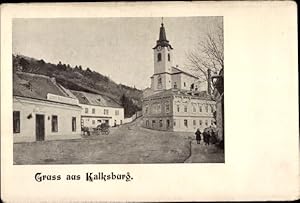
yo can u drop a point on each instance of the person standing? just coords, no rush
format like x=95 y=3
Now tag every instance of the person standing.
x=198 y=136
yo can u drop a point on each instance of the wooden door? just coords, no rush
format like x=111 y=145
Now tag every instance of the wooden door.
x=40 y=127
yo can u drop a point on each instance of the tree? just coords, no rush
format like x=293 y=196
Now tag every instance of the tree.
x=208 y=54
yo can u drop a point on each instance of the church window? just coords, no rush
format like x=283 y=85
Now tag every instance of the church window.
x=159 y=57
x=200 y=122
x=169 y=58
x=175 y=85
x=159 y=82
x=178 y=108
x=174 y=123
x=200 y=108
x=185 y=108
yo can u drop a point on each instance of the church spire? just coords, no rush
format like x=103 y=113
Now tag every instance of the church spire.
x=162 y=40
x=162 y=33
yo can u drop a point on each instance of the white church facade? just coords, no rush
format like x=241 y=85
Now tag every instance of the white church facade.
x=174 y=102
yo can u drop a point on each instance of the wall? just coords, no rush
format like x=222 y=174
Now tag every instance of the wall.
x=89 y=117
x=132 y=118
x=62 y=111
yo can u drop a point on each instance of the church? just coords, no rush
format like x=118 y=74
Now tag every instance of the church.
x=174 y=102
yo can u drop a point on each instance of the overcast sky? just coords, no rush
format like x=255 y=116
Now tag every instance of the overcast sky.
x=120 y=48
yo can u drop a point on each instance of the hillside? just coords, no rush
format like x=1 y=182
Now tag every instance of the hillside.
x=76 y=78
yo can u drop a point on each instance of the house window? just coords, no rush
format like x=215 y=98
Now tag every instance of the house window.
x=158 y=108
x=146 y=109
x=174 y=123
x=175 y=85
x=169 y=57
x=184 y=84
x=86 y=110
x=93 y=111
x=159 y=57
x=168 y=123
x=200 y=108
x=200 y=122
x=121 y=122
x=185 y=108
x=73 y=124
x=194 y=108
x=54 y=126
x=178 y=108
x=206 y=123
x=160 y=123
x=212 y=109
x=93 y=122
x=185 y=123
x=16 y=121
x=206 y=108
x=116 y=112
x=153 y=123
x=167 y=107
x=106 y=111
x=194 y=122
x=147 y=123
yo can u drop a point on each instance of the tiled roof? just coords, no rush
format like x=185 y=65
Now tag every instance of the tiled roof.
x=35 y=86
x=176 y=70
x=200 y=95
x=95 y=99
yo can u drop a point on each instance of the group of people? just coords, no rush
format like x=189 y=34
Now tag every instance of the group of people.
x=208 y=137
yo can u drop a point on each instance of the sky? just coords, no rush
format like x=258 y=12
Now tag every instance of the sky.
x=120 y=48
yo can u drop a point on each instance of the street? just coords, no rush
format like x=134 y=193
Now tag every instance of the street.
x=126 y=144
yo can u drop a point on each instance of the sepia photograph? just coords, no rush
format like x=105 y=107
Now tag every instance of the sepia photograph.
x=125 y=101
x=123 y=90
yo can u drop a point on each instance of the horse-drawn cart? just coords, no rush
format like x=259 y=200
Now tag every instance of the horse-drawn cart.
x=102 y=129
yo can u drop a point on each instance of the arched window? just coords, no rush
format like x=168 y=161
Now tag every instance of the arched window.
x=169 y=58
x=159 y=57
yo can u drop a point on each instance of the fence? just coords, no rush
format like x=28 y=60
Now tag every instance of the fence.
x=132 y=118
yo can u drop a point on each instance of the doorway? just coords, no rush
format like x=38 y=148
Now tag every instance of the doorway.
x=40 y=127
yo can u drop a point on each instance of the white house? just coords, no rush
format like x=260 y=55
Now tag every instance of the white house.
x=97 y=109
x=43 y=109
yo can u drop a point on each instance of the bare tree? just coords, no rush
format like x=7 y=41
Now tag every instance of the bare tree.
x=208 y=54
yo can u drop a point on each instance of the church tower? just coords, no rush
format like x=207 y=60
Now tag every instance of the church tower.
x=163 y=58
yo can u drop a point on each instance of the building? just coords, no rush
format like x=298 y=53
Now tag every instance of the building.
x=218 y=82
x=43 y=109
x=97 y=109
x=174 y=102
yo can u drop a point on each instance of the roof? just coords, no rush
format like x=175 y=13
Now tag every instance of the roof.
x=202 y=95
x=35 y=86
x=95 y=99
x=176 y=70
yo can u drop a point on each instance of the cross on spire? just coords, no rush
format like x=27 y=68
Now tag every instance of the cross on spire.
x=162 y=20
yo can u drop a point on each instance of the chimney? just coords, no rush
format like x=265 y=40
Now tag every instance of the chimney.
x=209 y=81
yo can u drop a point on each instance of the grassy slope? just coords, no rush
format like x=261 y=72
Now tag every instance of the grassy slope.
x=82 y=80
